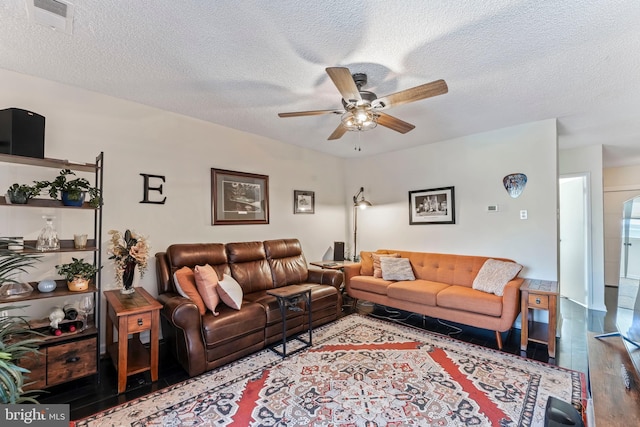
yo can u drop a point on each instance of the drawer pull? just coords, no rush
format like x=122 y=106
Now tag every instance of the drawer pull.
x=73 y=359
x=537 y=300
x=140 y=322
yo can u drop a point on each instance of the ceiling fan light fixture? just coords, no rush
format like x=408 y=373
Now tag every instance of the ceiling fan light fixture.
x=362 y=109
x=359 y=119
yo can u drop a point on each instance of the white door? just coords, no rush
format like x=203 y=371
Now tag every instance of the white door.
x=574 y=238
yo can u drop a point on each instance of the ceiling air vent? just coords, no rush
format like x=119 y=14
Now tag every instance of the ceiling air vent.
x=55 y=14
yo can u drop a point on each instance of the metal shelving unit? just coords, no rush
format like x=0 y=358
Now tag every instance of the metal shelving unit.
x=63 y=346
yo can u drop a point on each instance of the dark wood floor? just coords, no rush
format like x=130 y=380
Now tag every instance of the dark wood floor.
x=85 y=397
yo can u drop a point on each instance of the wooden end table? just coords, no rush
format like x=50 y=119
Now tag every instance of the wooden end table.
x=539 y=295
x=132 y=314
x=288 y=298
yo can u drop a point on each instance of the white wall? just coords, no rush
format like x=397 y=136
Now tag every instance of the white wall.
x=139 y=139
x=475 y=165
x=620 y=184
x=589 y=160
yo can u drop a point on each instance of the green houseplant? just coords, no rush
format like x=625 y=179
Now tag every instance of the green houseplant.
x=22 y=193
x=71 y=191
x=17 y=340
x=78 y=273
x=16 y=337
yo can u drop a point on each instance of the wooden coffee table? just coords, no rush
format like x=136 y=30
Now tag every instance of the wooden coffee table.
x=288 y=298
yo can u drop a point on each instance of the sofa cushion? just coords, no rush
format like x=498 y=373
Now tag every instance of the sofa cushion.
x=494 y=276
x=287 y=262
x=396 y=269
x=207 y=282
x=366 y=263
x=377 y=269
x=185 y=282
x=230 y=292
x=369 y=284
x=272 y=308
x=417 y=291
x=231 y=324
x=249 y=266
x=467 y=299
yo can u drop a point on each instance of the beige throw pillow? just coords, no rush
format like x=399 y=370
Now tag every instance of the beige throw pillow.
x=396 y=269
x=230 y=292
x=377 y=271
x=207 y=282
x=494 y=276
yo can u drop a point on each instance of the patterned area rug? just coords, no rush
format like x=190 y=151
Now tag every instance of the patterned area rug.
x=361 y=372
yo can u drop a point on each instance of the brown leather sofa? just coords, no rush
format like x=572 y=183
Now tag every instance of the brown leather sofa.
x=442 y=289
x=201 y=343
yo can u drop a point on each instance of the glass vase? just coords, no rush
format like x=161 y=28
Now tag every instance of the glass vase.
x=48 y=237
x=127 y=278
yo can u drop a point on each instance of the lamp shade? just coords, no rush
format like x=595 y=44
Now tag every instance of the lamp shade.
x=360 y=201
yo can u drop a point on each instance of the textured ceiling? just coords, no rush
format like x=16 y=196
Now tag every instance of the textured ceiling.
x=239 y=63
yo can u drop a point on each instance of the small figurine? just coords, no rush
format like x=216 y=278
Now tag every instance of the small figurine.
x=56 y=316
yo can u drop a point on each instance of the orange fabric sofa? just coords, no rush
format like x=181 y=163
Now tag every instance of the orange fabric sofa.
x=442 y=289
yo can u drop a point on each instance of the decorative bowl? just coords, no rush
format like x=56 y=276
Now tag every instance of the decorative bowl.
x=14 y=290
x=47 y=285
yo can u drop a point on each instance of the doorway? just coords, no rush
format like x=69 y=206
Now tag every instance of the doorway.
x=629 y=254
x=575 y=238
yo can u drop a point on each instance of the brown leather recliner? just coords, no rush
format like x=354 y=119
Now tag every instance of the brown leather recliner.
x=201 y=343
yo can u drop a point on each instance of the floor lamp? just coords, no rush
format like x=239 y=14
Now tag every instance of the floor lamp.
x=358 y=202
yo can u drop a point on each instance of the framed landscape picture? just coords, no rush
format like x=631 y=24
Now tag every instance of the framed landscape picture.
x=433 y=206
x=303 y=202
x=239 y=198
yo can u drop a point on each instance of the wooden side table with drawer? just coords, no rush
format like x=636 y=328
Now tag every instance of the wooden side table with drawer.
x=132 y=314
x=539 y=295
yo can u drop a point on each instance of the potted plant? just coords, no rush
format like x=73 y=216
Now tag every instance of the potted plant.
x=17 y=340
x=21 y=193
x=16 y=337
x=78 y=273
x=72 y=191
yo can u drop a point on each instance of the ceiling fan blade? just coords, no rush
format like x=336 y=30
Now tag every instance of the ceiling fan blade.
x=337 y=134
x=310 y=113
x=394 y=123
x=438 y=87
x=343 y=80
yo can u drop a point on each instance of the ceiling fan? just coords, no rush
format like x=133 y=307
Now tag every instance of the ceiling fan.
x=362 y=110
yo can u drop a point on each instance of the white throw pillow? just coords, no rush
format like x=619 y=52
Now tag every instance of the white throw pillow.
x=230 y=292
x=494 y=276
x=396 y=269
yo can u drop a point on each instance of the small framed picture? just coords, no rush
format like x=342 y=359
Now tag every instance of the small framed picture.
x=433 y=206
x=304 y=202
x=239 y=198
